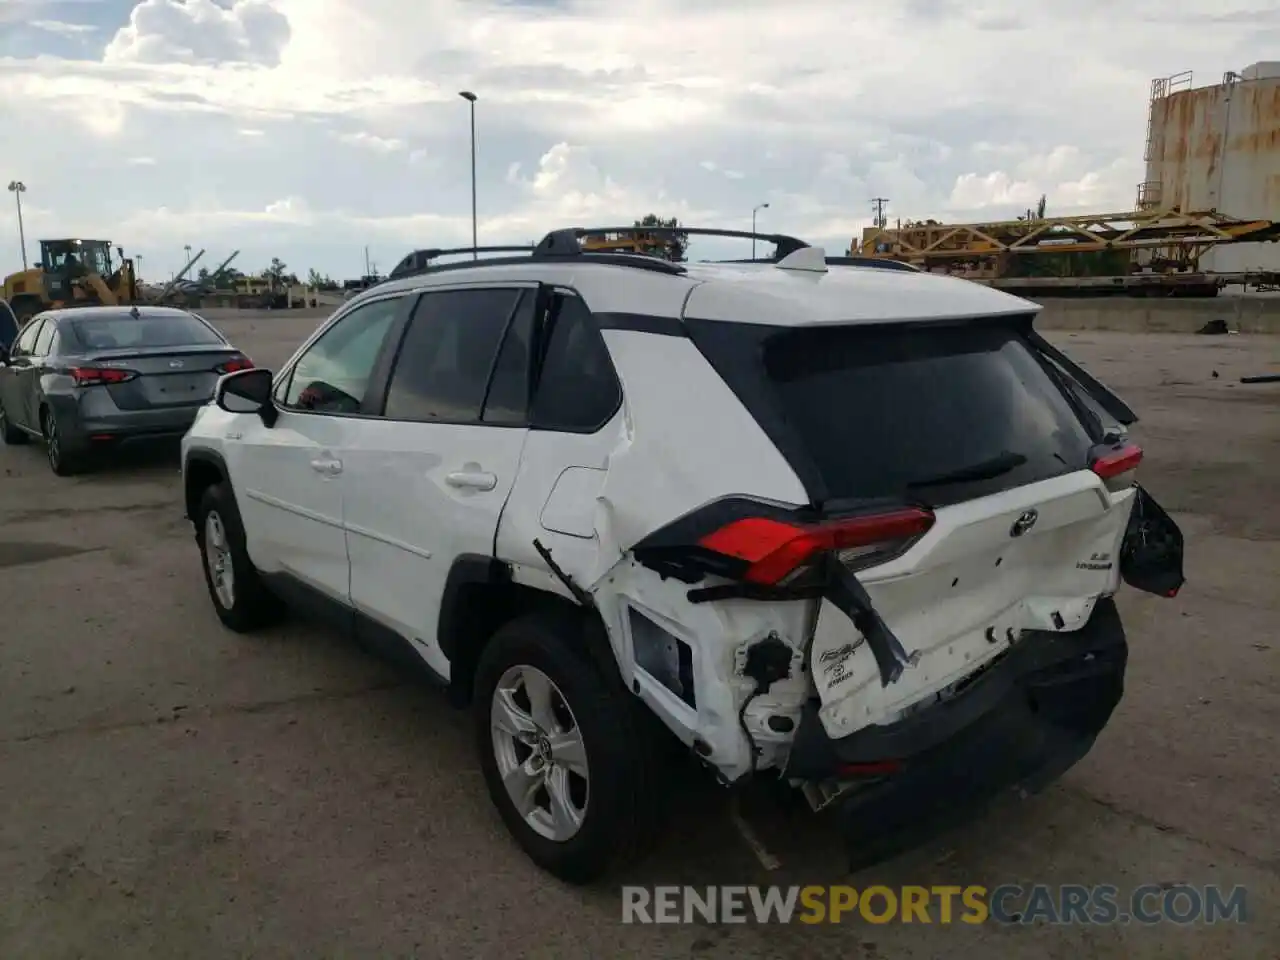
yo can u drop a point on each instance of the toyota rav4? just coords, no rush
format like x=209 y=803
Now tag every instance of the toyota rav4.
x=839 y=520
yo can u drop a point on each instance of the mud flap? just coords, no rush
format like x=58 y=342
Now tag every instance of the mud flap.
x=1152 y=549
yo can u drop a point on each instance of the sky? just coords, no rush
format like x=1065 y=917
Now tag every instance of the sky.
x=311 y=129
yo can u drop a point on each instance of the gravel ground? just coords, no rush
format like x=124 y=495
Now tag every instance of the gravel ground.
x=170 y=789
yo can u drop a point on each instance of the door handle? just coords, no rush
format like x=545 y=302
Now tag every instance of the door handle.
x=327 y=465
x=472 y=480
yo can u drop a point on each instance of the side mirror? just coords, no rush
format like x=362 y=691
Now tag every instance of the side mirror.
x=247 y=391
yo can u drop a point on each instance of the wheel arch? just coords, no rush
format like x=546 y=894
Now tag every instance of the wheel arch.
x=481 y=595
x=201 y=470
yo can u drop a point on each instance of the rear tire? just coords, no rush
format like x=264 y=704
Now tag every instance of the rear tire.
x=240 y=599
x=609 y=782
x=10 y=434
x=61 y=461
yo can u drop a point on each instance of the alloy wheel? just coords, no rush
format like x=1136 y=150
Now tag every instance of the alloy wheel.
x=541 y=756
x=217 y=558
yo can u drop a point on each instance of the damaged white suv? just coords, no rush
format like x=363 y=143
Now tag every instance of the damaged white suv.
x=836 y=519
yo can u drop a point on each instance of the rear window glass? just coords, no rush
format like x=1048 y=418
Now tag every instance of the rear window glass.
x=109 y=333
x=936 y=414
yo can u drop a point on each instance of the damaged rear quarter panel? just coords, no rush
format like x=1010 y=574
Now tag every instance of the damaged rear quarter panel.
x=680 y=440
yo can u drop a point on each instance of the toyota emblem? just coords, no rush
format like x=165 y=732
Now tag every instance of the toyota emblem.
x=1025 y=522
x=175 y=364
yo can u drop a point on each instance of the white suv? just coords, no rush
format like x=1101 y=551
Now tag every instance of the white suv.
x=836 y=519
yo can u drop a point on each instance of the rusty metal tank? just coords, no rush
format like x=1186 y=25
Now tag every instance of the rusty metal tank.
x=1218 y=148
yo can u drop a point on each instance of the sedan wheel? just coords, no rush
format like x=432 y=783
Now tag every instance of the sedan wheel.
x=540 y=754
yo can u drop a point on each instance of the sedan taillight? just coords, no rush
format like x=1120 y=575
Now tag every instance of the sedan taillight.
x=234 y=364
x=98 y=376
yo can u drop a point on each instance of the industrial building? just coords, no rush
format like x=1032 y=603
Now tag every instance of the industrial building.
x=1218 y=148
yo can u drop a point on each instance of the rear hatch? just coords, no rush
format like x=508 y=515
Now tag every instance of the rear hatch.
x=970 y=423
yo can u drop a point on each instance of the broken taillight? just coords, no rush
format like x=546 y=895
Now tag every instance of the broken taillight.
x=777 y=552
x=1117 y=466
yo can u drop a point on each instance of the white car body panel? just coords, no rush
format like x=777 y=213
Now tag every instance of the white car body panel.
x=293 y=508
x=415 y=500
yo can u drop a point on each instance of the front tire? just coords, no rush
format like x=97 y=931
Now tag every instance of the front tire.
x=565 y=756
x=240 y=599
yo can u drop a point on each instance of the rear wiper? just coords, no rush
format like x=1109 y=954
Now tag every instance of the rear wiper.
x=996 y=466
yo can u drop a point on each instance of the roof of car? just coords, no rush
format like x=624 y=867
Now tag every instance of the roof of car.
x=766 y=293
x=113 y=313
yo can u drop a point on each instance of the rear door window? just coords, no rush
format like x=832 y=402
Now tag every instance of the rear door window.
x=928 y=413
x=43 y=341
x=443 y=368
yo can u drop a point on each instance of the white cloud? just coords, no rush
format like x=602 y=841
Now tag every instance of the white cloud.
x=200 y=31
x=63 y=29
x=308 y=128
x=372 y=142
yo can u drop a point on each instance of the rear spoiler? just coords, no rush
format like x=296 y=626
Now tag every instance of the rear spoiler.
x=1097 y=390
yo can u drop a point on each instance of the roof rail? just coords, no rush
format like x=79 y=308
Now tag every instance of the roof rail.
x=568 y=240
x=878 y=263
x=420 y=259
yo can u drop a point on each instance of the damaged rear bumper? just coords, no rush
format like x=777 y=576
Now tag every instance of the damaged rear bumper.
x=1021 y=723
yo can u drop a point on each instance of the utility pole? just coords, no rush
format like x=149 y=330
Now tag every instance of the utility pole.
x=759 y=206
x=18 y=188
x=878 y=204
x=471 y=98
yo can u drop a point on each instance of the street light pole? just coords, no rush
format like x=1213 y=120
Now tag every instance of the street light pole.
x=471 y=99
x=18 y=188
x=754 y=210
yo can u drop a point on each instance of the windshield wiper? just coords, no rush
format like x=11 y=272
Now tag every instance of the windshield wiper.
x=989 y=469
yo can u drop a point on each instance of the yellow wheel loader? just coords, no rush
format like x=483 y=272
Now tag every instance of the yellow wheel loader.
x=71 y=273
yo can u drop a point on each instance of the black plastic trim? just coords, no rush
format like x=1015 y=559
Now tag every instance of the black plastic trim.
x=642 y=323
x=1104 y=397
x=468 y=569
x=1098 y=648
x=320 y=608
x=201 y=455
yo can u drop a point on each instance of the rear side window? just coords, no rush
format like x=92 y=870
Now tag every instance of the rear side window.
x=442 y=370
x=44 y=339
x=126 y=332
x=578 y=390
x=936 y=414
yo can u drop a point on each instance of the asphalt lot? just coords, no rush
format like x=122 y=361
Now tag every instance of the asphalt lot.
x=170 y=789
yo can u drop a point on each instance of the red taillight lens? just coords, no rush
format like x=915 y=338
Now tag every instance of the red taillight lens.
x=778 y=551
x=96 y=376
x=1116 y=467
x=231 y=366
